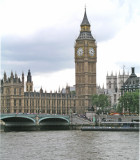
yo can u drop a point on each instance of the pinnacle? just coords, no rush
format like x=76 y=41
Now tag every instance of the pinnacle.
x=85 y=20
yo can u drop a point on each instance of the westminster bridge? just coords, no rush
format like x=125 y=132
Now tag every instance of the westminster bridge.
x=34 y=121
x=10 y=122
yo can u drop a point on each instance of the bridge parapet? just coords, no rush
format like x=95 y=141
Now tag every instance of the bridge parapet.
x=17 y=115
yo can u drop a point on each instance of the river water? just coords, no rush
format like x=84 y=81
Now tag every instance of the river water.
x=69 y=145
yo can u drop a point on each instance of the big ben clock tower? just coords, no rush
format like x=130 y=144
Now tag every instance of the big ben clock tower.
x=85 y=66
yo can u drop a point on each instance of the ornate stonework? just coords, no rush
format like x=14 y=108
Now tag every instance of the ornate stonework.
x=85 y=66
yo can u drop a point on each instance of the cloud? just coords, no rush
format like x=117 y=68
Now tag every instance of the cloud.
x=58 y=80
x=42 y=38
x=43 y=51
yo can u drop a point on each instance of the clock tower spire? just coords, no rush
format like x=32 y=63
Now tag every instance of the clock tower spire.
x=85 y=66
x=85 y=20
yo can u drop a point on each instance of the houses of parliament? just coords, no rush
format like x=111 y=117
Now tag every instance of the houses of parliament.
x=17 y=95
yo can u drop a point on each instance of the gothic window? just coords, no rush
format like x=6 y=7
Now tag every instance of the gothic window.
x=114 y=97
x=8 y=91
x=92 y=68
x=82 y=68
x=2 y=90
x=19 y=91
x=114 y=84
x=14 y=102
x=19 y=102
x=92 y=80
x=109 y=84
x=14 y=91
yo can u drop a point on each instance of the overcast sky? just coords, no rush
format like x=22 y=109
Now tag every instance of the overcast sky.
x=40 y=35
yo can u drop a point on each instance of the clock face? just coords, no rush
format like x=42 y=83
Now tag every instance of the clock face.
x=91 y=52
x=80 y=52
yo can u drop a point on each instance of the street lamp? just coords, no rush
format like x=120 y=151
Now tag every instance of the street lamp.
x=38 y=110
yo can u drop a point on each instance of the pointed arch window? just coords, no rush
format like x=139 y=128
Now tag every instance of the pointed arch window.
x=114 y=84
x=14 y=91
x=109 y=84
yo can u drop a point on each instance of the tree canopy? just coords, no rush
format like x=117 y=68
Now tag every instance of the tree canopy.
x=100 y=101
x=129 y=101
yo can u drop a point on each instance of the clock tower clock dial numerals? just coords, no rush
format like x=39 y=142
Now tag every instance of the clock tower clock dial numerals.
x=80 y=52
x=91 y=52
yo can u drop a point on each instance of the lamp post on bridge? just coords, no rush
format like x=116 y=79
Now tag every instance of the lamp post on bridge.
x=38 y=110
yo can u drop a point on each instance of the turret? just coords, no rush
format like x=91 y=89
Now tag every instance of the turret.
x=107 y=74
x=29 y=77
x=133 y=72
x=5 y=77
x=12 y=76
x=22 y=79
x=67 y=89
x=29 y=83
x=16 y=77
x=41 y=90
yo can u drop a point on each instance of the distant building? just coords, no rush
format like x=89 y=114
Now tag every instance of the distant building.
x=101 y=90
x=15 y=100
x=117 y=85
x=113 y=86
x=132 y=83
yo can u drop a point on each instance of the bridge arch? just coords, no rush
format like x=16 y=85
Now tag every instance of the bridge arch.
x=18 y=119
x=63 y=120
x=54 y=123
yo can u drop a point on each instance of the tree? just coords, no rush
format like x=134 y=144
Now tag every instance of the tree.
x=100 y=101
x=119 y=108
x=130 y=102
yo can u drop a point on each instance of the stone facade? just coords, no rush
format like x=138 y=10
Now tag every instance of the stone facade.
x=12 y=93
x=15 y=100
x=85 y=66
x=113 y=86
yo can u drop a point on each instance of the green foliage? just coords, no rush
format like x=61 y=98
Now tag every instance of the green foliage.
x=99 y=111
x=73 y=92
x=100 y=101
x=119 y=109
x=130 y=102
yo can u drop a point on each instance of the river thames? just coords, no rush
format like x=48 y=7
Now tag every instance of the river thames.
x=69 y=145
